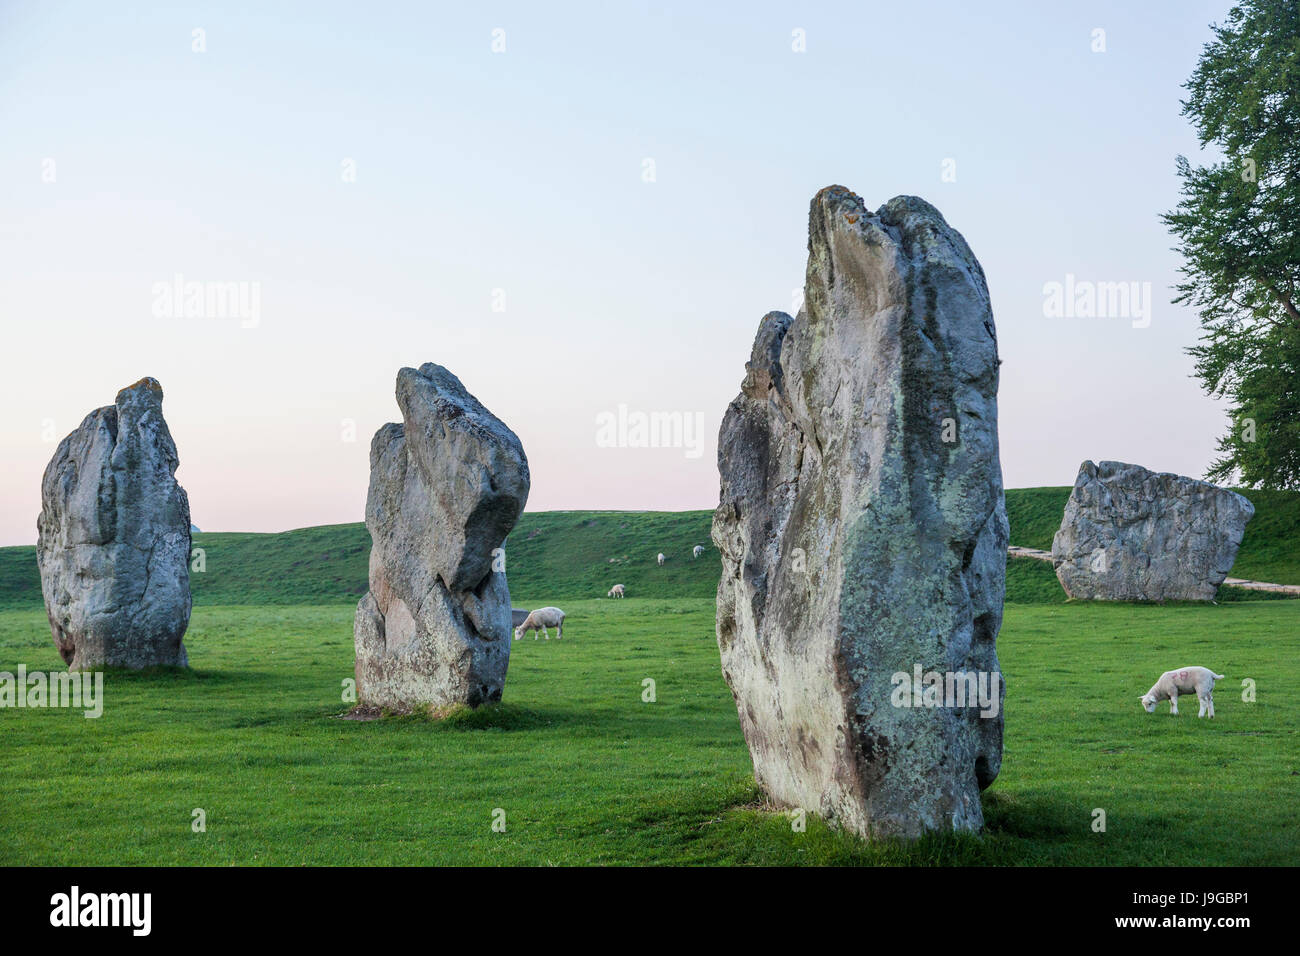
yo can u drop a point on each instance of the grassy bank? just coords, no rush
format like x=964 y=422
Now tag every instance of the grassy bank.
x=558 y=556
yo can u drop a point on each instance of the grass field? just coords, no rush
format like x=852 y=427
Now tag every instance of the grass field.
x=587 y=772
x=584 y=769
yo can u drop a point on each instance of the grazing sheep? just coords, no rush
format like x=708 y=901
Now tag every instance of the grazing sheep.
x=662 y=559
x=540 y=620
x=1185 y=680
x=616 y=591
x=698 y=550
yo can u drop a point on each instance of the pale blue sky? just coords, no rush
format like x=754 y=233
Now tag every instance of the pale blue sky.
x=522 y=171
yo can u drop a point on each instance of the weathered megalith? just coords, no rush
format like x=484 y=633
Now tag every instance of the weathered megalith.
x=1130 y=534
x=113 y=541
x=863 y=528
x=446 y=487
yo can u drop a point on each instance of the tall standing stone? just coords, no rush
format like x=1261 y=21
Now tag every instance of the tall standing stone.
x=446 y=487
x=1132 y=534
x=113 y=542
x=863 y=527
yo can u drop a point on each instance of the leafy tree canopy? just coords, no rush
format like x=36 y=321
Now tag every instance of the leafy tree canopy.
x=1238 y=229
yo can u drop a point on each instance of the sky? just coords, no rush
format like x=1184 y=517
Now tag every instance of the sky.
x=582 y=210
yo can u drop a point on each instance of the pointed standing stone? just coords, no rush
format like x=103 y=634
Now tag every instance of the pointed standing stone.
x=863 y=528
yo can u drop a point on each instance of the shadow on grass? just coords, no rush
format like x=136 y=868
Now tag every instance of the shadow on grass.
x=1031 y=817
x=499 y=717
x=1228 y=592
x=147 y=675
x=753 y=831
x=174 y=676
x=463 y=718
x=767 y=835
x=744 y=829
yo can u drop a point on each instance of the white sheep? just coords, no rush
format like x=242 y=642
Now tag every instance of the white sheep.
x=616 y=591
x=661 y=559
x=697 y=551
x=540 y=620
x=1185 y=680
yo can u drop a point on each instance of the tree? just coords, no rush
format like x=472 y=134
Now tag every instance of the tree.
x=1238 y=226
x=1262 y=444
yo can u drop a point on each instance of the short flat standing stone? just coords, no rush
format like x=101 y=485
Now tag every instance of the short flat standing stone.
x=1132 y=534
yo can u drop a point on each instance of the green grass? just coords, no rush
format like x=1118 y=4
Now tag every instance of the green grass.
x=588 y=773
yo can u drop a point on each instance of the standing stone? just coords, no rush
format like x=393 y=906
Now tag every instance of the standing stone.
x=446 y=487
x=113 y=542
x=1130 y=534
x=863 y=528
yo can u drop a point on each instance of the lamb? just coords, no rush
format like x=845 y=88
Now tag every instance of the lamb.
x=616 y=591
x=662 y=559
x=697 y=551
x=540 y=620
x=1185 y=680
